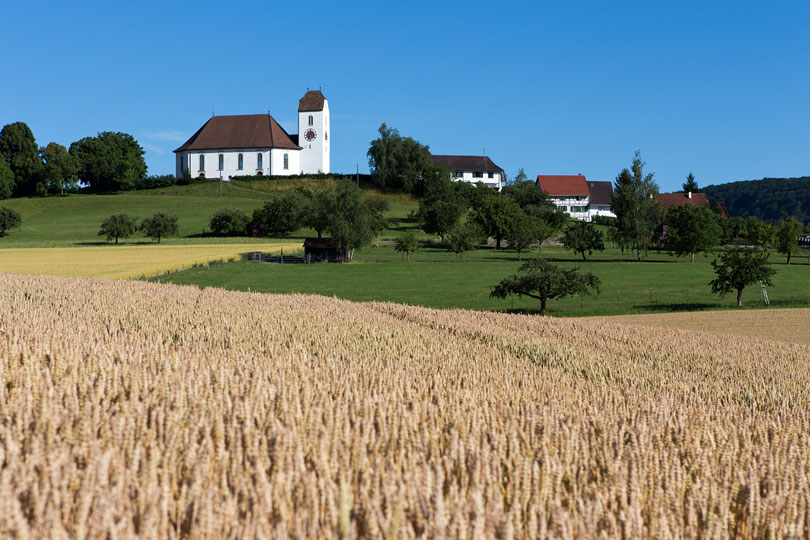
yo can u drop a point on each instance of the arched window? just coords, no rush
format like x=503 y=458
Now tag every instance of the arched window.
x=202 y=162
x=259 y=161
x=310 y=120
x=286 y=161
x=221 y=162
x=240 y=162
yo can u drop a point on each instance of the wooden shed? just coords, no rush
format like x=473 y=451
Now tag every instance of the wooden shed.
x=323 y=250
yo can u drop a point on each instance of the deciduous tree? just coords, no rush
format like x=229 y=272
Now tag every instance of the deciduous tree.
x=738 y=268
x=636 y=206
x=543 y=280
x=9 y=219
x=319 y=211
x=406 y=245
x=109 y=161
x=19 y=149
x=353 y=222
x=399 y=162
x=787 y=237
x=6 y=180
x=581 y=237
x=758 y=233
x=60 y=170
x=282 y=215
x=229 y=222
x=497 y=216
x=691 y=229
x=464 y=237
x=160 y=225
x=118 y=226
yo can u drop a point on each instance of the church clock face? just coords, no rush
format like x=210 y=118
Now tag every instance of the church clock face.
x=310 y=135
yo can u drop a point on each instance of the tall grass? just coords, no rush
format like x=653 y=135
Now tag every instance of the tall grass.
x=130 y=409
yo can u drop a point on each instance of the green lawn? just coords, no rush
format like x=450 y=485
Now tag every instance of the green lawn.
x=74 y=220
x=435 y=279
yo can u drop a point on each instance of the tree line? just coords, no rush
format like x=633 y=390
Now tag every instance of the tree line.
x=110 y=161
x=770 y=199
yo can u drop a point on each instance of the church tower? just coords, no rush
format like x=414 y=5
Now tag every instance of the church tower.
x=313 y=132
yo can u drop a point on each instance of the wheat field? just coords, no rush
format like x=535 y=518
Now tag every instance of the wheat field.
x=126 y=261
x=132 y=409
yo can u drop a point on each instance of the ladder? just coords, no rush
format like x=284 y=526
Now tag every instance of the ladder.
x=764 y=294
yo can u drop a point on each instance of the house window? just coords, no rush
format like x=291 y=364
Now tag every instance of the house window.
x=259 y=161
x=221 y=162
x=311 y=120
x=287 y=160
x=240 y=162
x=490 y=175
x=202 y=162
x=478 y=174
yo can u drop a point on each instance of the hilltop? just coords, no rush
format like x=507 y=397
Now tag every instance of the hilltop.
x=770 y=199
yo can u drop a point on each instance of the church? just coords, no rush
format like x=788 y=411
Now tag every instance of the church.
x=255 y=144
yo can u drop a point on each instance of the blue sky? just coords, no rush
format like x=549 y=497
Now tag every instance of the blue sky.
x=717 y=88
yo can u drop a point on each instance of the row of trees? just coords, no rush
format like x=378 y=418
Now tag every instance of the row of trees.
x=343 y=214
x=122 y=226
x=107 y=162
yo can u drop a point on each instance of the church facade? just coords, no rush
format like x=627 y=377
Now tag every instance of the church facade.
x=255 y=144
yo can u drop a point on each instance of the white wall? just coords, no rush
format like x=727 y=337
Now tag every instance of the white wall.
x=315 y=154
x=272 y=162
x=496 y=182
x=566 y=202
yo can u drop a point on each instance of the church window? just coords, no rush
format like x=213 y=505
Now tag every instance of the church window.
x=202 y=162
x=310 y=120
x=287 y=161
x=259 y=161
x=240 y=162
x=221 y=162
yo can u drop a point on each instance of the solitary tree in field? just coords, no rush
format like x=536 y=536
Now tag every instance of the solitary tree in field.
x=787 y=237
x=544 y=280
x=9 y=219
x=464 y=237
x=581 y=237
x=635 y=202
x=691 y=229
x=738 y=268
x=118 y=226
x=160 y=225
x=407 y=245
x=318 y=212
x=758 y=233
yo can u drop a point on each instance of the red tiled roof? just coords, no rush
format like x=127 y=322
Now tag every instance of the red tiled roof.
x=601 y=192
x=312 y=101
x=563 y=184
x=674 y=200
x=465 y=163
x=239 y=131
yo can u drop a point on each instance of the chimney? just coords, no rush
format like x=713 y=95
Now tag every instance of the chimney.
x=689 y=195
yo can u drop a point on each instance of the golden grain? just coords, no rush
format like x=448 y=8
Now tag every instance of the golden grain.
x=130 y=409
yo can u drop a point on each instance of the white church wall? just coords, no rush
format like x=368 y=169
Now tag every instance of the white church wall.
x=272 y=162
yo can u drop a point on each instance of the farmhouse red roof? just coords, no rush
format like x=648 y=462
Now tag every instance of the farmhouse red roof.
x=673 y=200
x=239 y=131
x=563 y=184
x=313 y=100
x=465 y=163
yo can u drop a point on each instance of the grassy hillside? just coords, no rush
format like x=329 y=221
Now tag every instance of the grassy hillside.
x=74 y=219
x=136 y=410
x=434 y=278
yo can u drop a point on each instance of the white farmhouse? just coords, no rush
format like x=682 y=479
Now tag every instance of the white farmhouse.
x=255 y=144
x=577 y=197
x=472 y=169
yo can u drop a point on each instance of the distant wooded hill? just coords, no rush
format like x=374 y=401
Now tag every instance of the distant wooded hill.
x=770 y=199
